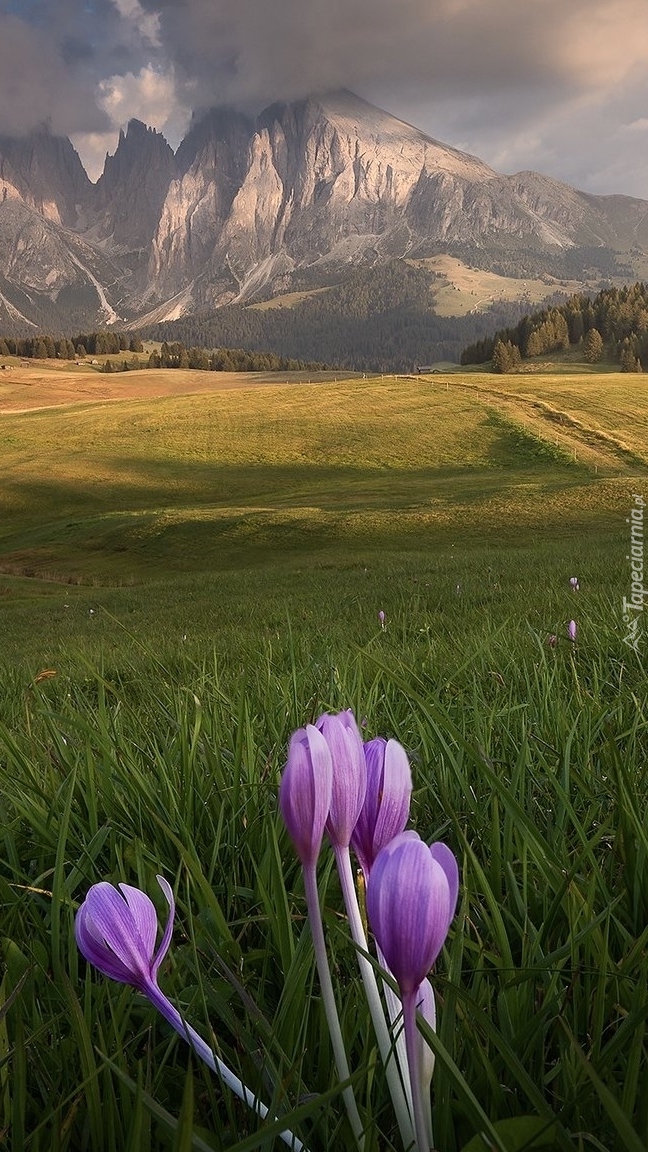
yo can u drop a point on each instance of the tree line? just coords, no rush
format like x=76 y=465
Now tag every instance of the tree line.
x=177 y=355
x=614 y=324
x=70 y=347
x=171 y=355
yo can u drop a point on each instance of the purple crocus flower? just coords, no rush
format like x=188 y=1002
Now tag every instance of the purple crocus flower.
x=349 y=779
x=411 y=899
x=381 y=617
x=305 y=792
x=116 y=931
x=385 y=811
x=571 y=630
x=325 y=773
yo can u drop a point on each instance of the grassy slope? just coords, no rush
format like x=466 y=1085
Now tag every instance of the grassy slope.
x=280 y=480
x=275 y=524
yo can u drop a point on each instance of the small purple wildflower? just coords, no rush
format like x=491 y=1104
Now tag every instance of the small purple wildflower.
x=116 y=931
x=571 y=630
x=574 y=583
x=381 y=617
x=411 y=899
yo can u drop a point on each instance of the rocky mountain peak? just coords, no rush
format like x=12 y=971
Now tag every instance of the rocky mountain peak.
x=129 y=194
x=45 y=172
x=300 y=194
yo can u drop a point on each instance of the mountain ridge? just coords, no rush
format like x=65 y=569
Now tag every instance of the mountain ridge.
x=249 y=206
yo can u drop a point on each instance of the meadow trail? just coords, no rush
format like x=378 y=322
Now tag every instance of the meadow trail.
x=597 y=449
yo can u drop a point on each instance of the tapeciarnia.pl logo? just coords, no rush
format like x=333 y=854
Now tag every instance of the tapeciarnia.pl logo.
x=635 y=605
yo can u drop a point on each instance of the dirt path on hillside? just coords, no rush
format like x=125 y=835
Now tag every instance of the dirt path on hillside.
x=29 y=389
x=588 y=444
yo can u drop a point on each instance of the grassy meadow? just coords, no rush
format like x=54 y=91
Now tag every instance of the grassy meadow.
x=185 y=578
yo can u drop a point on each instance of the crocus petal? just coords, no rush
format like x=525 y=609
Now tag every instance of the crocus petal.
x=363 y=833
x=166 y=938
x=446 y=858
x=394 y=805
x=349 y=781
x=305 y=791
x=113 y=919
x=144 y=915
x=408 y=905
x=385 y=811
x=94 y=949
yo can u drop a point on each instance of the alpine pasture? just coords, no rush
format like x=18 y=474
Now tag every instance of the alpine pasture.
x=191 y=569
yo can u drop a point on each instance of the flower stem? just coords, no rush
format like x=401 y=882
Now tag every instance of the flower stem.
x=385 y=1043
x=395 y=1015
x=328 y=999
x=173 y=1017
x=413 y=1059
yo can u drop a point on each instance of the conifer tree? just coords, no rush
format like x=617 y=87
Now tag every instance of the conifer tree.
x=593 y=346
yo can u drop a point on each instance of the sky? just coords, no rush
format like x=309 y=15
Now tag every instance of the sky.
x=558 y=86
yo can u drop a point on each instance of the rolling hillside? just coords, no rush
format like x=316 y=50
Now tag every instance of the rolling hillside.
x=139 y=489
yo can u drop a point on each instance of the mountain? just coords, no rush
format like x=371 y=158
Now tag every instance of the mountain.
x=293 y=199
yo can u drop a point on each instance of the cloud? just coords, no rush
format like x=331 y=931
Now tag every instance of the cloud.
x=247 y=49
x=150 y=96
x=538 y=83
x=36 y=86
x=143 y=24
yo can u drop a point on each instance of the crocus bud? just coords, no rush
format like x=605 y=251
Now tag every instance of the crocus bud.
x=349 y=781
x=305 y=792
x=116 y=931
x=574 y=583
x=571 y=630
x=552 y=640
x=381 y=617
x=385 y=811
x=410 y=906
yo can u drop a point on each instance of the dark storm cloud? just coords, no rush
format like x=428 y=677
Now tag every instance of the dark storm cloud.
x=523 y=83
x=37 y=86
x=256 y=49
x=53 y=55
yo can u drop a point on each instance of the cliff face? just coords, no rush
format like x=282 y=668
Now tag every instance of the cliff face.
x=127 y=200
x=45 y=173
x=314 y=186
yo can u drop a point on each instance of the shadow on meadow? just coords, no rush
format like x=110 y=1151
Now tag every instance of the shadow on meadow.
x=140 y=517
